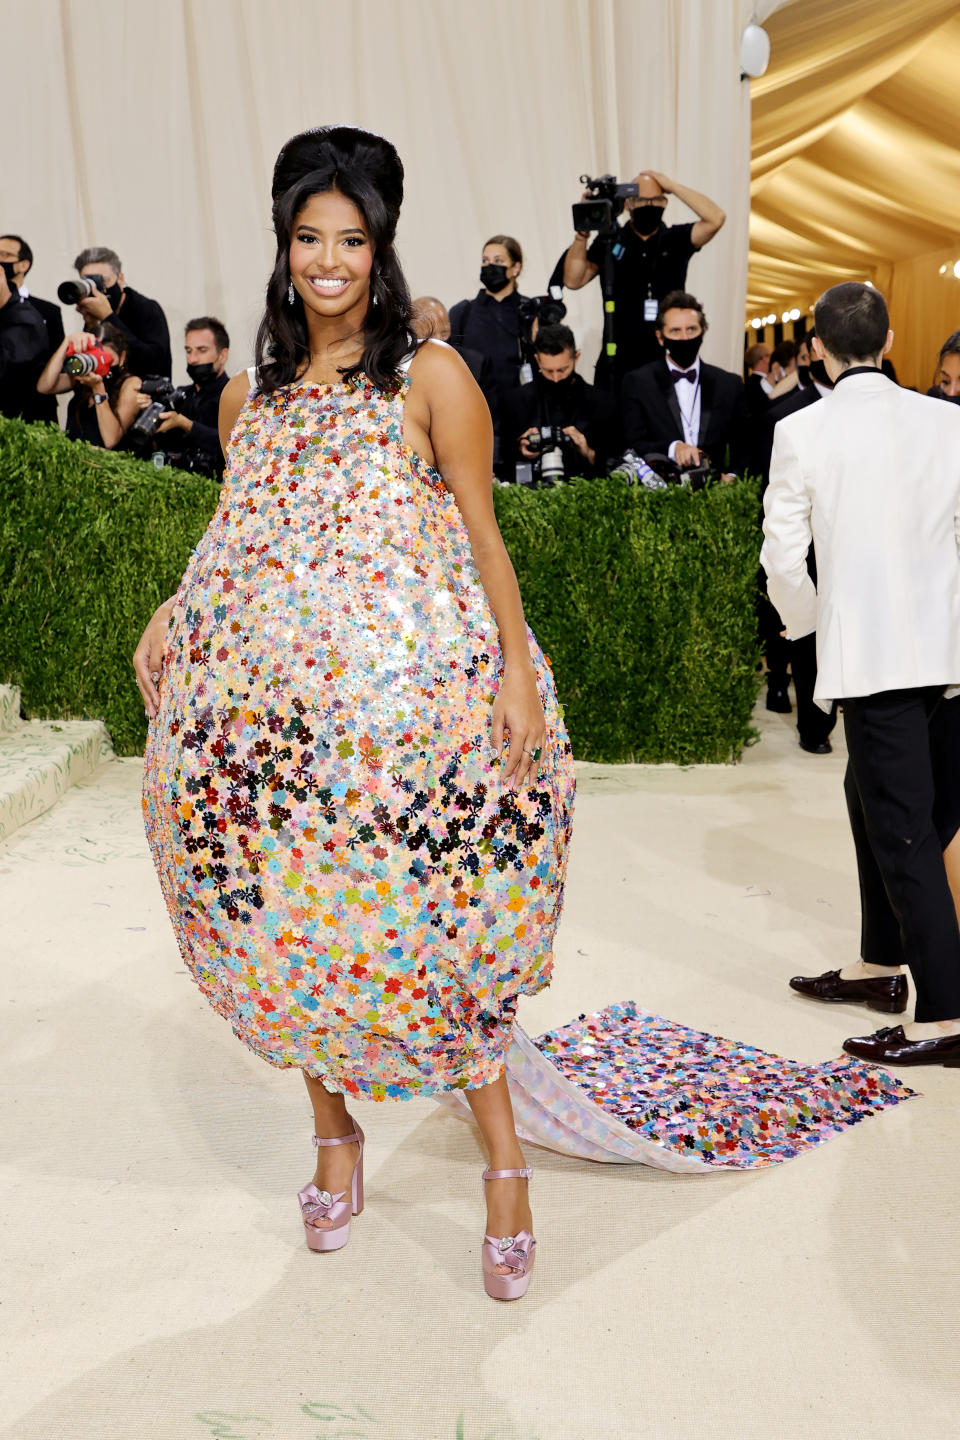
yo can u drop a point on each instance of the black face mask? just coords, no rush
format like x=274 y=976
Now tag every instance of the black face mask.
x=804 y=372
x=818 y=372
x=646 y=218
x=7 y=267
x=114 y=294
x=683 y=352
x=954 y=399
x=201 y=374
x=493 y=278
x=566 y=383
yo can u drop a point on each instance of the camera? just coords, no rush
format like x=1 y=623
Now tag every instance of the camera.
x=606 y=201
x=691 y=477
x=547 y=309
x=549 y=446
x=71 y=292
x=96 y=360
x=164 y=396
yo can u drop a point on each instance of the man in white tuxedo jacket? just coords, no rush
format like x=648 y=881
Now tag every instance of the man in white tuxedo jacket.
x=872 y=476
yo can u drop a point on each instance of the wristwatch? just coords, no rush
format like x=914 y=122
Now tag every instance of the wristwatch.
x=99 y=399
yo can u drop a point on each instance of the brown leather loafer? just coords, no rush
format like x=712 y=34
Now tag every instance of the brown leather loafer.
x=891 y=1047
x=886 y=993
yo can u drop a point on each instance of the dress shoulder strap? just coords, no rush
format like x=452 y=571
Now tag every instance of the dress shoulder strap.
x=253 y=375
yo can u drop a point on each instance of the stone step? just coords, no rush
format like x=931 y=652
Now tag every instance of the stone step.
x=40 y=759
x=10 y=721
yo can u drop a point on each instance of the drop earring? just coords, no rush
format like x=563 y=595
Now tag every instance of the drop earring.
x=290 y=293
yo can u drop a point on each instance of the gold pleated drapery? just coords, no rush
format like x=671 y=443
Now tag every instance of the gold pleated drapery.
x=855 y=166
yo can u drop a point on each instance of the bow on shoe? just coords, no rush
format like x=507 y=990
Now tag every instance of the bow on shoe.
x=320 y=1204
x=516 y=1251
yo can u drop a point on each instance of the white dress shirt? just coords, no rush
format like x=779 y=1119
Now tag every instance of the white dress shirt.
x=688 y=398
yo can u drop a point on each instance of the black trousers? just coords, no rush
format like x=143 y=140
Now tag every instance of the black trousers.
x=800 y=658
x=895 y=768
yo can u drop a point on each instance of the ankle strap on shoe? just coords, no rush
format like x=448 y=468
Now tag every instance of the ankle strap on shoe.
x=353 y=1139
x=524 y=1174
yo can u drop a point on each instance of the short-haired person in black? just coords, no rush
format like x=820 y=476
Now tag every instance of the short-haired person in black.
x=490 y=323
x=557 y=398
x=873 y=476
x=680 y=406
x=191 y=440
x=651 y=260
x=799 y=657
x=141 y=320
x=947 y=384
x=18 y=392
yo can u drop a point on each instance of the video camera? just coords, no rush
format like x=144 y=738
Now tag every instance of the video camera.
x=71 y=292
x=165 y=396
x=606 y=201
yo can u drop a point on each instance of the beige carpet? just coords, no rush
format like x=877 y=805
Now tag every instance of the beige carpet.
x=155 y=1280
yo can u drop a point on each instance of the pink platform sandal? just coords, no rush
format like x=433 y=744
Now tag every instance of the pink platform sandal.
x=517 y=1251
x=321 y=1204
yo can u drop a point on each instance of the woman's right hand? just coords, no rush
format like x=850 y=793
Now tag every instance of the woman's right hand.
x=148 y=657
x=80 y=340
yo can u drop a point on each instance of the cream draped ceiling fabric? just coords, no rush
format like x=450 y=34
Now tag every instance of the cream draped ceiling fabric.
x=855 y=165
x=152 y=128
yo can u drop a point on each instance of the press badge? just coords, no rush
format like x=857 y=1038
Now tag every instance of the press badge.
x=650 y=308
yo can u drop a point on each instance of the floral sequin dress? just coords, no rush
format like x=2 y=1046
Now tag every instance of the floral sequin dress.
x=351 y=884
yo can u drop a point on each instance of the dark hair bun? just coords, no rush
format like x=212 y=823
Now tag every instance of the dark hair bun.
x=328 y=150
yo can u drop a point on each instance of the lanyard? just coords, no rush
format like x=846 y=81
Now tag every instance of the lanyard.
x=687 y=414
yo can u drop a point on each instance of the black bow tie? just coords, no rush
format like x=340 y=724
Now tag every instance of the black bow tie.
x=679 y=375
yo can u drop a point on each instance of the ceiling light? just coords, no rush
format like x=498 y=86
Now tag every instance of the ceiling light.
x=943 y=269
x=956 y=268
x=757 y=324
x=870 y=283
x=794 y=314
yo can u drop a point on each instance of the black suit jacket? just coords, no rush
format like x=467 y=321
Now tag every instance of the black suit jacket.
x=797 y=399
x=44 y=407
x=652 y=420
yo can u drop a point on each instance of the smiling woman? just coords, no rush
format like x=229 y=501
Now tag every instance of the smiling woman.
x=364 y=876
x=335 y=217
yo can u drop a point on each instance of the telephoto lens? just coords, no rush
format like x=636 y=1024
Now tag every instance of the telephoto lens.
x=95 y=361
x=71 y=292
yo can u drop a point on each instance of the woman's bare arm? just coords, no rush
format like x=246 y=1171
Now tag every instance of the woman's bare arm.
x=52 y=380
x=446 y=402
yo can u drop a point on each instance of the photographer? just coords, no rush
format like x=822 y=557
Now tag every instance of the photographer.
x=650 y=261
x=107 y=296
x=559 y=423
x=192 y=441
x=106 y=398
x=679 y=406
x=18 y=392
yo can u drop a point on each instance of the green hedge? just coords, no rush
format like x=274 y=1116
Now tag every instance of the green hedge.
x=643 y=601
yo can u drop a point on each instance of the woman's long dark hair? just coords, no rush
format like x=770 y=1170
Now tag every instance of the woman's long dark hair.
x=367 y=170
